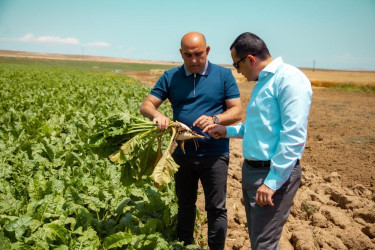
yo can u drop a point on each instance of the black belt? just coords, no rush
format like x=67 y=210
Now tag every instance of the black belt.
x=262 y=164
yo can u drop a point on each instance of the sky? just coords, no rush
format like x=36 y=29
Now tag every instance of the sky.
x=333 y=34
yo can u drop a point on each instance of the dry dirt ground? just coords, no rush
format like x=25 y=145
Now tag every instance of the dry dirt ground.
x=335 y=205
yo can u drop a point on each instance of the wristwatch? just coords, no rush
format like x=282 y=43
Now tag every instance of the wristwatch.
x=216 y=120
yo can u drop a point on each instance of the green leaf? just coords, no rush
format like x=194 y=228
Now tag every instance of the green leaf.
x=48 y=150
x=117 y=240
x=152 y=225
x=4 y=241
x=56 y=232
x=166 y=166
x=18 y=227
x=89 y=240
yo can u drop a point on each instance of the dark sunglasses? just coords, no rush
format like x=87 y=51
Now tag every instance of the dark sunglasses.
x=235 y=64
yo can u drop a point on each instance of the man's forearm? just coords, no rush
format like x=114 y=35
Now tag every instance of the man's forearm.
x=230 y=116
x=233 y=113
x=149 y=112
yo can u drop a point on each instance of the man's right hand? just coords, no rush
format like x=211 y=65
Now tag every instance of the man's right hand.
x=162 y=122
x=149 y=108
x=217 y=131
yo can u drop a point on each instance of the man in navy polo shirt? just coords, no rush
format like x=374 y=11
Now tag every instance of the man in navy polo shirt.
x=201 y=94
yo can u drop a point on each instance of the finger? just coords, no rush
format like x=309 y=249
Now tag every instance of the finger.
x=160 y=125
x=263 y=200
x=165 y=123
x=205 y=124
x=270 y=201
x=216 y=135
x=259 y=198
x=213 y=133
x=209 y=129
x=259 y=203
x=198 y=120
x=156 y=121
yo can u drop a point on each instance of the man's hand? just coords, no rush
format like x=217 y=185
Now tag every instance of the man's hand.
x=216 y=131
x=149 y=108
x=264 y=196
x=162 y=122
x=204 y=121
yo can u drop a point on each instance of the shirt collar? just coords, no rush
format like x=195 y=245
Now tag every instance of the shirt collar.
x=271 y=67
x=203 y=72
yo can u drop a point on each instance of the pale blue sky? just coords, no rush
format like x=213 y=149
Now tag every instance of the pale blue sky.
x=337 y=34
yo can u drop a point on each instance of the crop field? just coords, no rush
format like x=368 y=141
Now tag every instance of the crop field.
x=58 y=189
x=99 y=66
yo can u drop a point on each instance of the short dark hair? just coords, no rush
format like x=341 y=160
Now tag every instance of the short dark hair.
x=250 y=44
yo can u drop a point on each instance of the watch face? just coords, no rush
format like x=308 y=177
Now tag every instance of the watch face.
x=216 y=120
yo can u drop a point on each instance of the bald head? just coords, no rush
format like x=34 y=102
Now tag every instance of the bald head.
x=194 y=51
x=193 y=38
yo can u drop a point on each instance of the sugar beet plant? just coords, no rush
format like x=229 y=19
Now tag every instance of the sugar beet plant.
x=58 y=189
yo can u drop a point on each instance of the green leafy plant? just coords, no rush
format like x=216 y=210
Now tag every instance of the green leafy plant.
x=58 y=189
x=140 y=148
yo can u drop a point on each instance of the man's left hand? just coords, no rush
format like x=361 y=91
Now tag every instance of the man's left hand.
x=264 y=196
x=203 y=121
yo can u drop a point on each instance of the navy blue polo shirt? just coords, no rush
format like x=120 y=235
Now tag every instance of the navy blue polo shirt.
x=193 y=96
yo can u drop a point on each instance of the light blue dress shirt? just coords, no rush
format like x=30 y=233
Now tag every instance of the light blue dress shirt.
x=276 y=120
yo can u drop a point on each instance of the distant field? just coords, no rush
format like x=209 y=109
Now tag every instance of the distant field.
x=339 y=79
x=85 y=64
x=327 y=78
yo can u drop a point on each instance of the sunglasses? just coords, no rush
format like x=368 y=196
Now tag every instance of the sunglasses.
x=235 y=64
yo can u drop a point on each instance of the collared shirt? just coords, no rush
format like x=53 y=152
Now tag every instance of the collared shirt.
x=276 y=120
x=203 y=72
x=193 y=96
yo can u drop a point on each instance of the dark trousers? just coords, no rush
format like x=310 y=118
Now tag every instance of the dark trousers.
x=212 y=171
x=266 y=223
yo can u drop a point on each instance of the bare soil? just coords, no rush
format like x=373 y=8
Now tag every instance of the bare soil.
x=335 y=206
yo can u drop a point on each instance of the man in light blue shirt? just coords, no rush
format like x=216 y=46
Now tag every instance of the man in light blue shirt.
x=274 y=136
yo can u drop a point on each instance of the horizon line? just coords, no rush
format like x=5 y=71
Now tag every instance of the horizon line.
x=77 y=57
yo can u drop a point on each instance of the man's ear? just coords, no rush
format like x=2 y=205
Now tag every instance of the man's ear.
x=251 y=58
x=181 y=52
x=207 y=50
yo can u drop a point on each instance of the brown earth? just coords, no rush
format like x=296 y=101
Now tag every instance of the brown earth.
x=335 y=205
